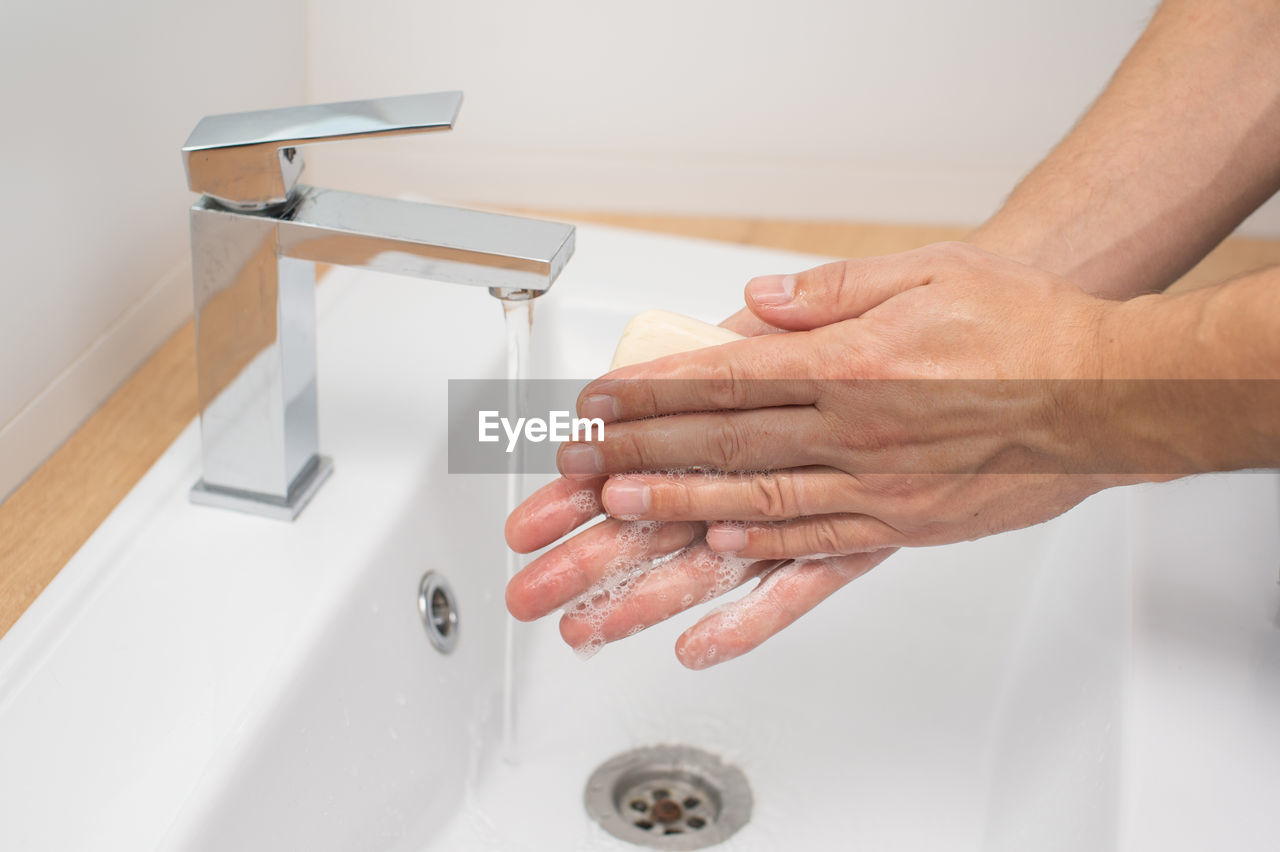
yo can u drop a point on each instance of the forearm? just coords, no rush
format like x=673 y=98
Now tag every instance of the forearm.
x=1173 y=155
x=1191 y=382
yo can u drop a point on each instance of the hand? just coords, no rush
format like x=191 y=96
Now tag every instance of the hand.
x=863 y=446
x=616 y=578
x=619 y=577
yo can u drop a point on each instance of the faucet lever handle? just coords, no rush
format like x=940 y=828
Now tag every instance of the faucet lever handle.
x=249 y=160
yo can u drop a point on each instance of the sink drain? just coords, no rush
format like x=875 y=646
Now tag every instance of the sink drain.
x=669 y=797
x=439 y=611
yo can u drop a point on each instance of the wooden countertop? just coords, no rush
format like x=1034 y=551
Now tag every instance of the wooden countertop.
x=50 y=516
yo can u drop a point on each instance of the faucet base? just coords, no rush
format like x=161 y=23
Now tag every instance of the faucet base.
x=300 y=493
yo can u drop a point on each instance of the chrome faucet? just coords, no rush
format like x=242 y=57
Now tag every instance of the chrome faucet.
x=256 y=236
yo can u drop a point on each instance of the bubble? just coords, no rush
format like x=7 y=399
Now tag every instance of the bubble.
x=615 y=585
x=706 y=658
x=585 y=501
x=617 y=582
x=730 y=572
x=590 y=648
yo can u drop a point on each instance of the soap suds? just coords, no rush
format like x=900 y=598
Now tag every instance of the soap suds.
x=619 y=580
x=585 y=501
x=732 y=622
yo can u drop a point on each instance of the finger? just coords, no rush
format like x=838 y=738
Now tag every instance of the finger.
x=774 y=496
x=609 y=549
x=748 y=324
x=554 y=510
x=693 y=576
x=848 y=288
x=758 y=372
x=821 y=535
x=783 y=595
x=758 y=439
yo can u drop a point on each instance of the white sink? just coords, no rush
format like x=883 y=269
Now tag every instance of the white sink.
x=198 y=679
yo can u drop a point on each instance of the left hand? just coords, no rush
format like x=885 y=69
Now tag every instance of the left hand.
x=618 y=577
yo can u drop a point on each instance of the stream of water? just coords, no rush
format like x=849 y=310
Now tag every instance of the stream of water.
x=519 y=320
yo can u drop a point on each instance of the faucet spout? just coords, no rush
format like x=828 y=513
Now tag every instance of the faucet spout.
x=425 y=240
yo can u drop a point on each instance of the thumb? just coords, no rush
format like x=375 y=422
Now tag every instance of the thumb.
x=838 y=291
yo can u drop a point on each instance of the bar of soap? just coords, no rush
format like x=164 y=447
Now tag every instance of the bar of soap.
x=653 y=334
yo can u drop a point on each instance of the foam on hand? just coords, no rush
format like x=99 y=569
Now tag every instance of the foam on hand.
x=696 y=572
x=649 y=335
x=597 y=603
x=586 y=501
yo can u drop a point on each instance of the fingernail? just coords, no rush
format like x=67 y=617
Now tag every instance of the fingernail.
x=580 y=460
x=627 y=498
x=599 y=405
x=772 y=290
x=726 y=539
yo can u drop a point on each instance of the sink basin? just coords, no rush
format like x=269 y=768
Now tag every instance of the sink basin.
x=199 y=679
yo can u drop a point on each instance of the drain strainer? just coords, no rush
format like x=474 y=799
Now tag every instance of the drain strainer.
x=669 y=797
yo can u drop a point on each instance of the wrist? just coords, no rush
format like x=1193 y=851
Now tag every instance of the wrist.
x=1178 y=394
x=1085 y=410
x=1125 y=406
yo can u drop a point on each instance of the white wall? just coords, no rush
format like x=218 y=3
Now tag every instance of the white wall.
x=98 y=99
x=908 y=110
